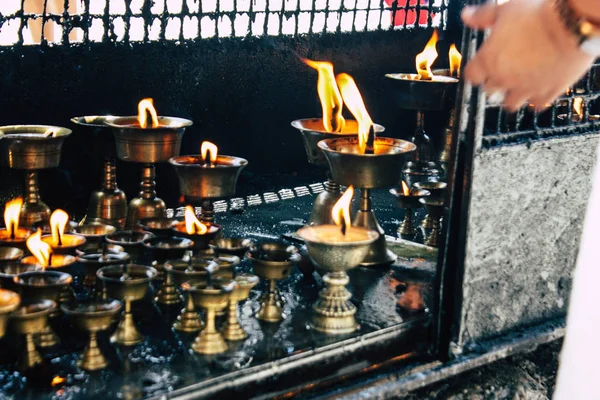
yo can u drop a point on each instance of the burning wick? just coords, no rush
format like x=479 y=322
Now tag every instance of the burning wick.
x=209 y=152
x=58 y=223
x=11 y=216
x=354 y=102
x=341 y=210
x=192 y=225
x=146 y=106
x=40 y=249
x=425 y=59
x=370 y=149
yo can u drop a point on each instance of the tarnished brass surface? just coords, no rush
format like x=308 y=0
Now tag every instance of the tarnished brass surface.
x=437 y=189
x=435 y=210
x=95 y=233
x=408 y=203
x=273 y=262
x=159 y=226
x=131 y=241
x=34 y=209
x=92 y=262
x=109 y=204
x=146 y=205
x=163 y=248
x=29 y=319
x=212 y=299
x=168 y=294
x=232 y=245
x=200 y=241
x=323 y=205
x=127 y=283
x=333 y=313
x=92 y=317
x=19 y=241
x=414 y=94
x=198 y=181
x=9 y=270
x=70 y=243
x=10 y=254
x=28 y=147
x=232 y=330
x=9 y=302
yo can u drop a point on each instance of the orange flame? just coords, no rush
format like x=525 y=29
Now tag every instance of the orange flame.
x=455 y=59
x=209 y=149
x=147 y=106
x=58 y=223
x=11 y=215
x=58 y=380
x=329 y=94
x=192 y=225
x=578 y=106
x=341 y=209
x=405 y=189
x=40 y=250
x=425 y=59
x=51 y=132
x=355 y=104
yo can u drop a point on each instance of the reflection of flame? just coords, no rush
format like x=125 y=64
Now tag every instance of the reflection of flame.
x=405 y=189
x=192 y=225
x=424 y=59
x=211 y=149
x=355 y=104
x=147 y=106
x=329 y=94
x=455 y=59
x=341 y=210
x=41 y=250
x=578 y=106
x=11 y=215
x=58 y=222
x=57 y=380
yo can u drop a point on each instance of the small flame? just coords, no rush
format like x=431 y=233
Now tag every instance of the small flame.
x=192 y=225
x=11 y=215
x=41 y=250
x=425 y=59
x=405 y=189
x=341 y=209
x=329 y=94
x=51 y=132
x=147 y=106
x=57 y=380
x=455 y=59
x=209 y=149
x=578 y=106
x=58 y=223
x=355 y=104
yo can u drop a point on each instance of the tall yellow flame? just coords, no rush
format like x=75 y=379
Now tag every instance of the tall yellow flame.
x=425 y=59
x=341 y=210
x=11 y=215
x=58 y=223
x=455 y=60
x=192 y=225
x=209 y=149
x=355 y=104
x=578 y=106
x=329 y=94
x=147 y=106
x=40 y=250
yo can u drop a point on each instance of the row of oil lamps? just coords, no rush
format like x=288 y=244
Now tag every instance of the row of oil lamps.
x=355 y=154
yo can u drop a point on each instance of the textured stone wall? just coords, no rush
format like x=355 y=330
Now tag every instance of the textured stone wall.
x=527 y=208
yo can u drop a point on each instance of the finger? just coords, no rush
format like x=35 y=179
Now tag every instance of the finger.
x=475 y=72
x=514 y=100
x=480 y=17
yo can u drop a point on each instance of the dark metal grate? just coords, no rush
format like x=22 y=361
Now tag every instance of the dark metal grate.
x=85 y=21
x=559 y=120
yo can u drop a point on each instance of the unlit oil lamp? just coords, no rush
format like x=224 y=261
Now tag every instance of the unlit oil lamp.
x=92 y=262
x=10 y=254
x=162 y=249
x=436 y=189
x=139 y=141
x=32 y=148
x=336 y=249
x=95 y=234
x=234 y=246
x=207 y=176
x=408 y=199
x=159 y=226
x=211 y=296
x=200 y=233
x=13 y=235
x=232 y=330
x=131 y=242
x=10 y=270
x=59 y=241
x=273 y=262
x=30 y=318
x=366 y=162
x=92 y=317
x=109 y=204
x=9 y=302
x=127 y=283
x=331 y=126
x=435 y=210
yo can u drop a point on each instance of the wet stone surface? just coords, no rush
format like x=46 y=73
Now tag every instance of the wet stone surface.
x=165 y=362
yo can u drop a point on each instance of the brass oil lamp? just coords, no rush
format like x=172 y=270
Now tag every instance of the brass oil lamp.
x=131 y=242
x=232 y=245
x=435 y=210
x=10 y=254
x=159 y=226
x=366 y=162
x=109 y=204
x=9 y=302
x=207 y=176
x=200 y=233
x=10 y=270
x=336 y=249
x=32 y=148
x=232 y=330
x=59 y=241
x=13 y=235
x=139 y=141
x=95 y=234
x=92 y=262
x=436 y=189
x=408 y=199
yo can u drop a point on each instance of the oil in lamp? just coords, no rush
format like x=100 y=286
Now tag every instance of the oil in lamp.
x=436 y=189
x=10 y=254
x=9 y=302
x=93 y=317
x=127 y=283
x=13 y=235
x=131 y=242
x=366 y=162
x=59 y=241
x=272 y=261
x=200 y=233
x=141 y=141
x=336 y=249
x=109 y=204
x=30 y=318
x=52 y=282
x=212 y=296
x=232 y=330
x=207 y=176
x=435 y=210
x=408 y=199
x=332 y=125
x=32 y=148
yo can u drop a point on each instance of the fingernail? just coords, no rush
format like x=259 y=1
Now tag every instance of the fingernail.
x=468 y=12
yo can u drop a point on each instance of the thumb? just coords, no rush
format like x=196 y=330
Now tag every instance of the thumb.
x=480 y=17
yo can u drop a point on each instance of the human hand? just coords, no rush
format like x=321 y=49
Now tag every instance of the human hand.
x=530 y=56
